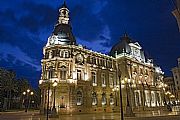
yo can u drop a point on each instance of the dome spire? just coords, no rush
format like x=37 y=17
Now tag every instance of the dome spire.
x=126 y=34
x=63 y=14
x=62 y=34
x=64 y=4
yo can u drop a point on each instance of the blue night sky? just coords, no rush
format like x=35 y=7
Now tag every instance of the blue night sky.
x=26 y=24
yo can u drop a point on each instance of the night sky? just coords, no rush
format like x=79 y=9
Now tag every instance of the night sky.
x=25 y=26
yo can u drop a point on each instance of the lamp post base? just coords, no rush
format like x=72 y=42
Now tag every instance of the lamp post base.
x=54 y=112
x=129 y=112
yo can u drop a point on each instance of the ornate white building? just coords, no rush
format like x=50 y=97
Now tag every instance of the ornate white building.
x=176 y=76
x=88 y=81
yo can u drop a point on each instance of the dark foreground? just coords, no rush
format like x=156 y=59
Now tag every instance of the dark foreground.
x=21 y=115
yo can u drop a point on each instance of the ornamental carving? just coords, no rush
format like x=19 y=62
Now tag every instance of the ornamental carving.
x=50 y=64
x=63 y=64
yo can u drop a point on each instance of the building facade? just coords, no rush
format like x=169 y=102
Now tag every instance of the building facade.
x=176 y=76
x=176 y=12
x=88 y=81
x=171 y=94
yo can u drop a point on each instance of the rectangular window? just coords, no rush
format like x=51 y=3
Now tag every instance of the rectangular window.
x=137 y=98
x=63 y=73
x=111 y=80
x=148 y=97
x=51 y=73
x=94 y=60
x=103 y=80
x=153 y=99
x=79 y=75
x=94 y=81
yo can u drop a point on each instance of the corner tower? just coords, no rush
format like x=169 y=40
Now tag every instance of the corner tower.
x=62 y=34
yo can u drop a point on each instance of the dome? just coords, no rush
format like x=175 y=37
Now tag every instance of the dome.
x=122 y=46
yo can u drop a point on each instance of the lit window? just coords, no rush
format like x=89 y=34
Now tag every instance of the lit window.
x=63 y=73
x=66 y=54
x=94 y=81
x=51 y=73
x=158 y=99
x=153 y=100
x=111 y=80
x=61 y=54
x=103 y=80
x=103 y=99
x=110 y=64
x=94 y=99
x=148 y=97
x=94 y=60
x=111 y=99
x=137 y=98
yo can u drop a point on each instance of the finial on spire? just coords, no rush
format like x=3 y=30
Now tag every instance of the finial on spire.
x=64 y=4
x=126 y=34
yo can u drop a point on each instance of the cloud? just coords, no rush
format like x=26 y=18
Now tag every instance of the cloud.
x=86 y=19
x=24 y=30
x=87 y=27
x=99 y=44
x=35 y=21
x=18 y=55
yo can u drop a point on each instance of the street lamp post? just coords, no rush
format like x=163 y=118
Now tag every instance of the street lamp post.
x=54 y=113
x=129 y=111
x=48 y=82
x=47 y=111
x=27 y=100
x=165 y=103
x=120 y=94
x=115 y=90
x=42 y=107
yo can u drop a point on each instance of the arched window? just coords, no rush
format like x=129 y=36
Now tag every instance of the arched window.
x=61 y=54
x=94 y=99
x=63 y=73
x=111 y=99
x=58 y=52
x=79 y=98
x=66 y=54
x=104 y=99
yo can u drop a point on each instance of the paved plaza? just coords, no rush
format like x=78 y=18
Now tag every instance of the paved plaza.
x=21 y=115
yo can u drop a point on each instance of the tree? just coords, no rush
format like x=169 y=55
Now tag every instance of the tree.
x=9 y=86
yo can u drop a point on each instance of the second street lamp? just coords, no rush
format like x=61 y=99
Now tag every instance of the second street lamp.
x=120 y=94
x=54 y=101
x=129 y=111
x=27 y=98
x=115 y=90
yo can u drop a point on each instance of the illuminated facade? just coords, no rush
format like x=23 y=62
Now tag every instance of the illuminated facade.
x=88 y=81
x=176 y=76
